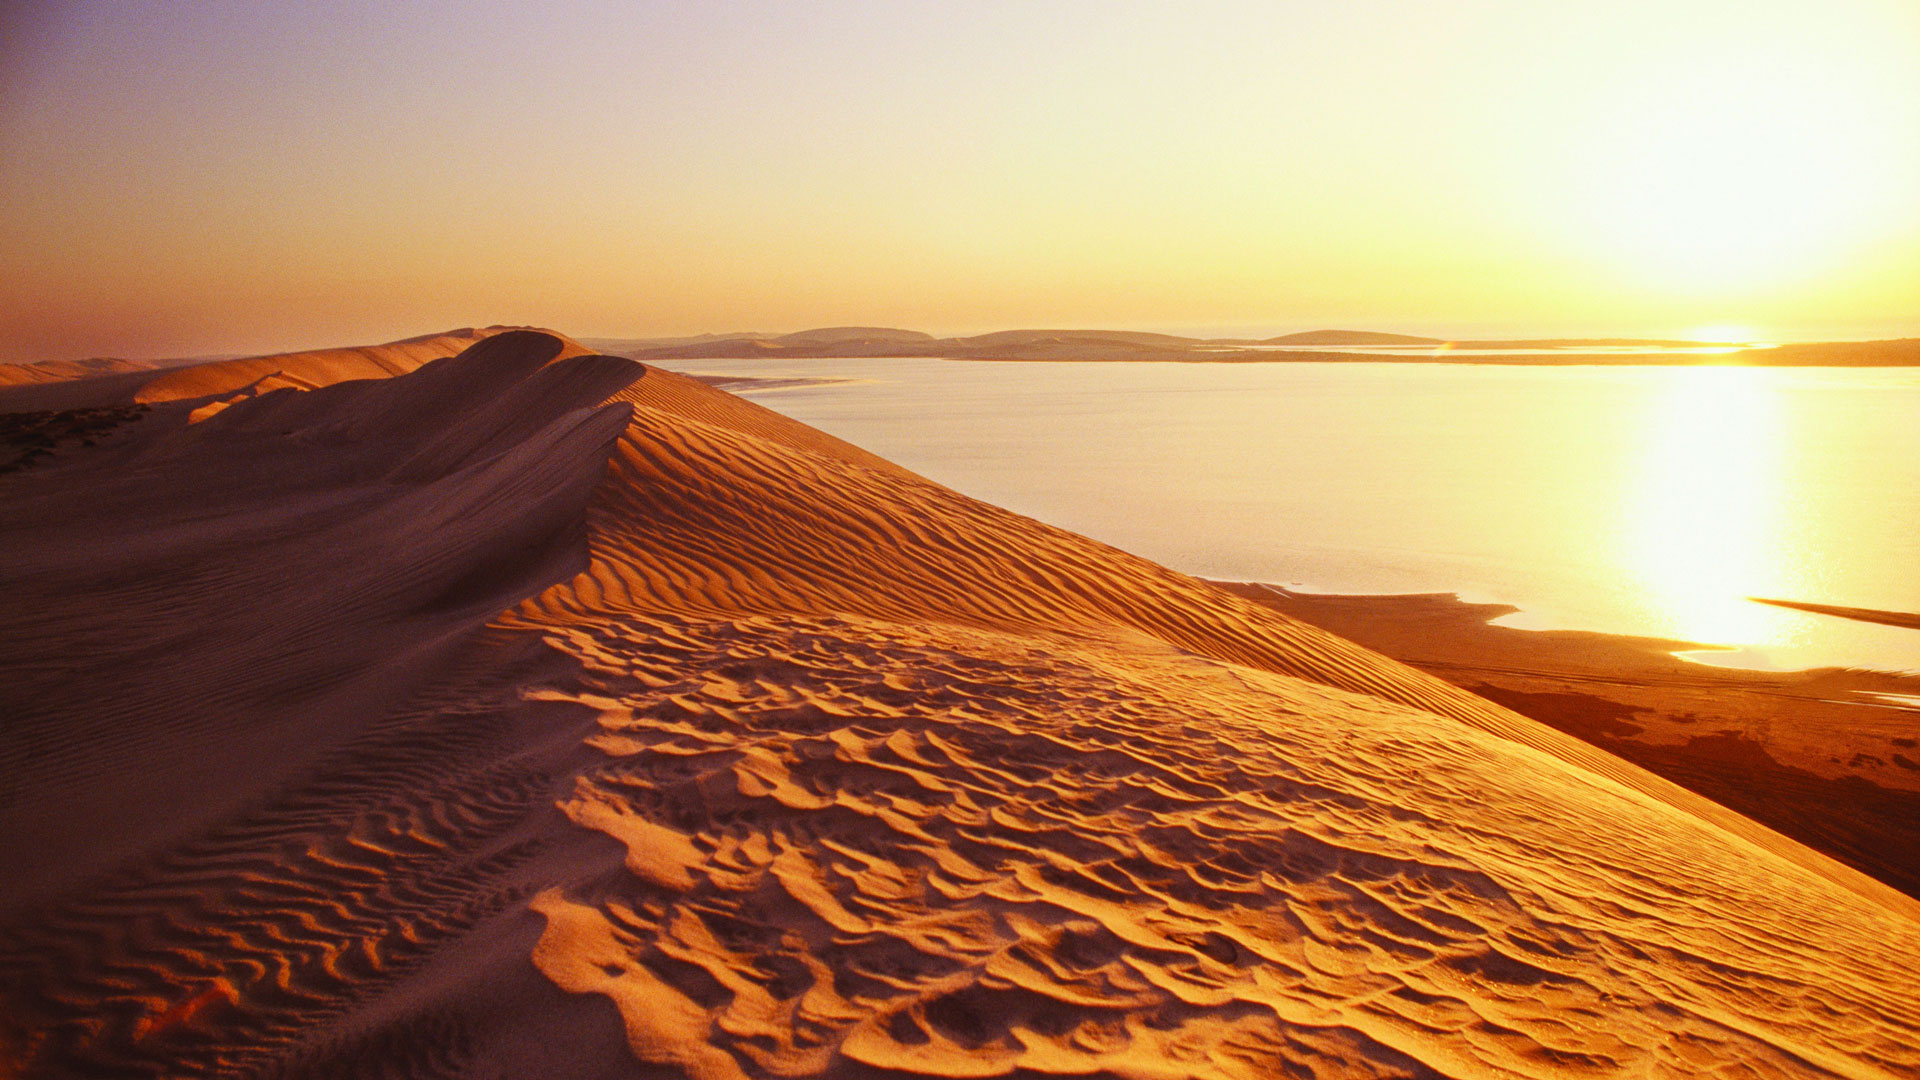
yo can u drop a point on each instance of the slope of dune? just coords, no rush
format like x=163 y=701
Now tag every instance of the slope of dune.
x=84 y=387
x=209 y=583
x=64 y=370
x=58 y=385
x=526 y=715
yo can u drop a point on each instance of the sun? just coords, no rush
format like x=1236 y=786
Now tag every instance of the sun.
x=1707 y=177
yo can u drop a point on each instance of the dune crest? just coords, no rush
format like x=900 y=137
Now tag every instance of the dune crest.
x=216 y=583
x=575 y=718
x=108 y=383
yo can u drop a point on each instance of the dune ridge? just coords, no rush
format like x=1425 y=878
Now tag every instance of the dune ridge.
x=307 y=544
x=47 y=371
x=589 y=717
x=110 y=383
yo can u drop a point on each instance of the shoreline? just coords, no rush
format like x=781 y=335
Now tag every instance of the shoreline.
x=1035 y=346
x=1737 y=358
x=1691 y=655
x=760 y=384
x=1825 y=755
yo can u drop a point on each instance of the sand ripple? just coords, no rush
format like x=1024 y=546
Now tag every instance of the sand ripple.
x=816 y=769
x=955 y=853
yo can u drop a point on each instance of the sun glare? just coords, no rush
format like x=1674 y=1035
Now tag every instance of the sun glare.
x=1709 y=527
x=1723 y=334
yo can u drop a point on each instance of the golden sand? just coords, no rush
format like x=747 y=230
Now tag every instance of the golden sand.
x=526 y=713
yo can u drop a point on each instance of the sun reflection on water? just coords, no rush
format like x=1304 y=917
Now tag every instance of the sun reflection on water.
x=1710 y=523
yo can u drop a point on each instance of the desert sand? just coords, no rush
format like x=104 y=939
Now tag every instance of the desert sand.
x=1830 y=757
x=517 y=711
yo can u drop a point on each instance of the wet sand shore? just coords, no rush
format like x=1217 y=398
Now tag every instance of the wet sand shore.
x=1828 y=757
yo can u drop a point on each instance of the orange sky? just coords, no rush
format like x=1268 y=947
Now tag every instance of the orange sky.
x=188 y=179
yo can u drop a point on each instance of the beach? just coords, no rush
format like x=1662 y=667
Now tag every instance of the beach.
x=1826 y=756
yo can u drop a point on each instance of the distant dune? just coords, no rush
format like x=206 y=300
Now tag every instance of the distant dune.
x=66 y=384
x=48 y=371
x=1322 y=346
x=143 y=382
x=525 y=712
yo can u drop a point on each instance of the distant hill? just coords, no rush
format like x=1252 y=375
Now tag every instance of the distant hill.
x=1585 y=343
x=620 y=346
x=1311 y=346
x=109 y=383
x=1894 y=352
x=854 y=335
x=1349 y=337
x=884 y=341
x=1005 y=338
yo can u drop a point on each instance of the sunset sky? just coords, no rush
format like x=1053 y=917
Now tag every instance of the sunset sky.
x=201 y=178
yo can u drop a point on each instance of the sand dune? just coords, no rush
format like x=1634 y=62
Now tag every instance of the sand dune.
x=75 y=388
x=1819 y=755
x=527 y=715
x=218 y=580
x=48 y=371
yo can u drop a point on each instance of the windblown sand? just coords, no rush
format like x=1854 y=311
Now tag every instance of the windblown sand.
x=528 y=713
x=1827 y=757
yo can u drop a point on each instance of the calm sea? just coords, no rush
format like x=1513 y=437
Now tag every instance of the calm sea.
x=1648 y=500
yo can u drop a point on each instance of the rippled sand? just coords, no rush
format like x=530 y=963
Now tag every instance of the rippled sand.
x=715 y=747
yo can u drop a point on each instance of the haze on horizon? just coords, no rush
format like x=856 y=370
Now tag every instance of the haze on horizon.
x=228 y=177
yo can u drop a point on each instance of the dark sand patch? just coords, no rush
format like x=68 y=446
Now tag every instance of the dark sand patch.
x=1908 y=619
x=1814 y=754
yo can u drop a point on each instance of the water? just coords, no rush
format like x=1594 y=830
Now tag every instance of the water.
x=1449 y=350
x=1650 y=500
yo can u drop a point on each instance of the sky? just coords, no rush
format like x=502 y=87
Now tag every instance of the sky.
x=194 y=179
